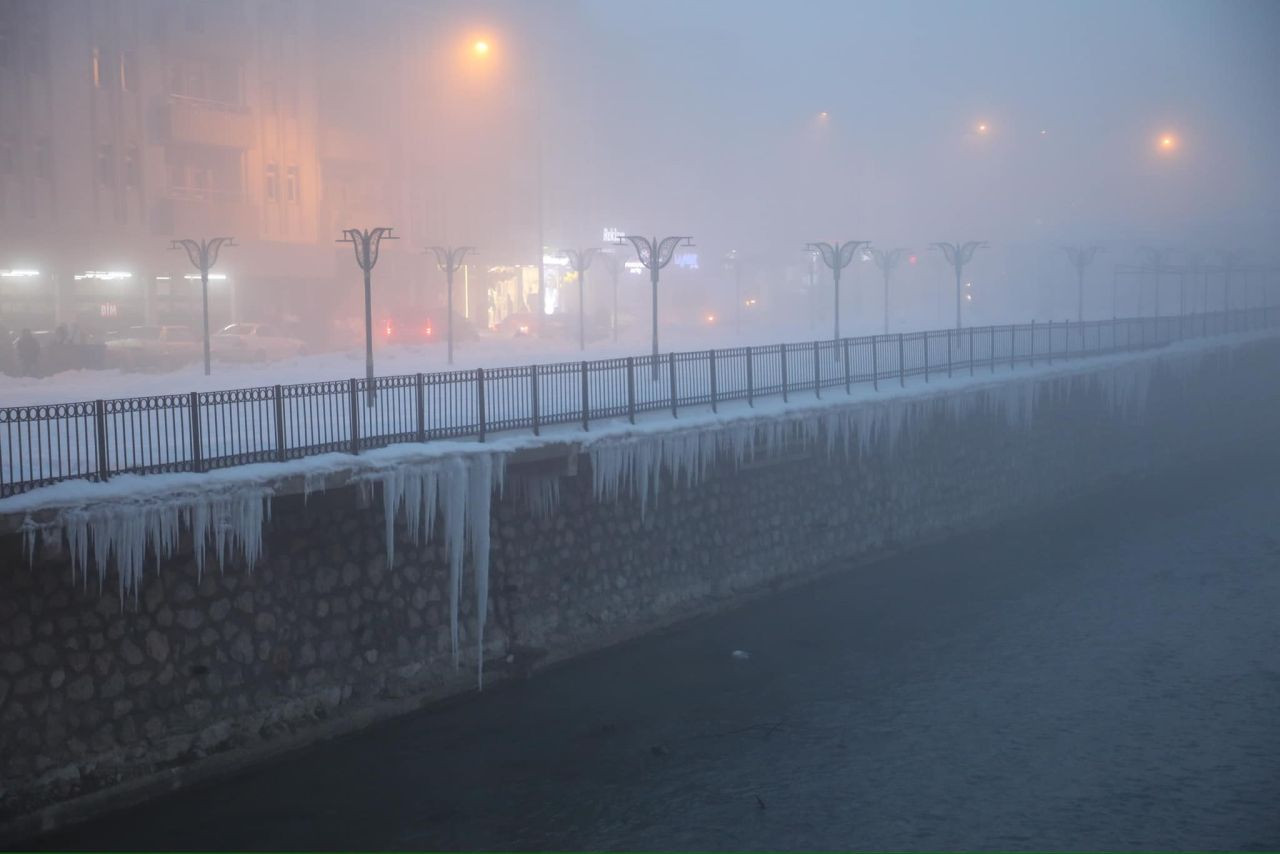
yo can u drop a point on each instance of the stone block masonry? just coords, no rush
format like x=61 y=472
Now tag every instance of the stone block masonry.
x=103 y=699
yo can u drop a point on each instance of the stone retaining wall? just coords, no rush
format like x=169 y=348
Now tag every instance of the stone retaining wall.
x=98 y=699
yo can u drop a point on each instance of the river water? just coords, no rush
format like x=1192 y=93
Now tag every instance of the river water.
x=1105 y=676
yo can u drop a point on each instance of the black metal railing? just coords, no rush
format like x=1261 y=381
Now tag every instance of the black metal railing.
x=200 y=431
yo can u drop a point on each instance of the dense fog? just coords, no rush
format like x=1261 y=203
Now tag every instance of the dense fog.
x=524 y=129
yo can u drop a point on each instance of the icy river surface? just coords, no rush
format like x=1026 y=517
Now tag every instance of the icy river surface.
x=1105 y=676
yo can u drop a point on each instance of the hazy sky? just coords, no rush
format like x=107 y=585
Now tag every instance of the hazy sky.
x=735 y=89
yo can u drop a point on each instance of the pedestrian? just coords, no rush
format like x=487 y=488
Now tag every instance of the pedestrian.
x=27 y=350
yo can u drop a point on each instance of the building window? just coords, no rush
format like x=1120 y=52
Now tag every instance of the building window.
x=272 y=188
x=106 y=166
x=291 y=184
x=132 y=168
x=44 y=158
x=129 y=71
x=97 y=69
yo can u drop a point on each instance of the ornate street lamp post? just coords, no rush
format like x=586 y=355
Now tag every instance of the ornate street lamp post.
x=734 y=260
x=203 y=255
x=655 y=254
x=1080 y=257
x=1158 y=263
x=1231 y=263
x=887 y=260
x=613 y=264
x=367 y=243
x=958 y=255
x=837 y=256
x=580 y=260
x=449 y=259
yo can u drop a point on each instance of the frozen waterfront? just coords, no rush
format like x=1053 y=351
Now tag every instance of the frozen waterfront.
x=1104 y=677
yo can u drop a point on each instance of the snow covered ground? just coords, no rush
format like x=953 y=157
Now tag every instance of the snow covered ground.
x=166 y=432
x=489 y=351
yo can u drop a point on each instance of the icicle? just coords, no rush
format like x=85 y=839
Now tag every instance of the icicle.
x=480 y=481
x=453 y=486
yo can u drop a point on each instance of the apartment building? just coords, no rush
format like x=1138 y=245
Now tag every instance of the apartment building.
x=125 y=124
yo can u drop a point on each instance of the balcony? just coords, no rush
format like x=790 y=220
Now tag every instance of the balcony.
x=198 y=121
x=346 y=146
x=196 y=210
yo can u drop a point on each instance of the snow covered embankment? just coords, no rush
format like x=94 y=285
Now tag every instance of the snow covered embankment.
x=443 y=491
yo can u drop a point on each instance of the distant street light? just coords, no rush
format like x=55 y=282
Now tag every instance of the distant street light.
x=655 y=254
x=366 y=244
x=580 y=260
x=958 y=255
x=1080 y=257
x=203 y=255
x=887 y=260
x=449 y=259
x=837 y=256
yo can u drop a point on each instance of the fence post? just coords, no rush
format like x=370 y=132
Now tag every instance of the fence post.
x=355 y=416
x=817 y=372
x=420 y=401
x=586 y=403
x=783 y=349
x=844 y=345
x=280 y=437
x=1031 y=359
x=197 y=440
x=1066 y=340
x=671 y=362
x=481 y=414
x=925 y=339
x=970 y=351
x=631 y=389
x=100 y=429
x=713 y=378
x=993 y=348
x=902 y=364
x=875 y=362
x=751 y=379
x=533 y=398
x=1013 y=345
x=948 y=353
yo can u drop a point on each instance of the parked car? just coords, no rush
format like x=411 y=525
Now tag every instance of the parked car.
x=150 y=347
x=519 y=324
x=255 y=342
x=418 y=327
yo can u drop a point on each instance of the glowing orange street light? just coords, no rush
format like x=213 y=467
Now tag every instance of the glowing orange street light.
x=1168 y=142
x=480 y=48
x=982 y=127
